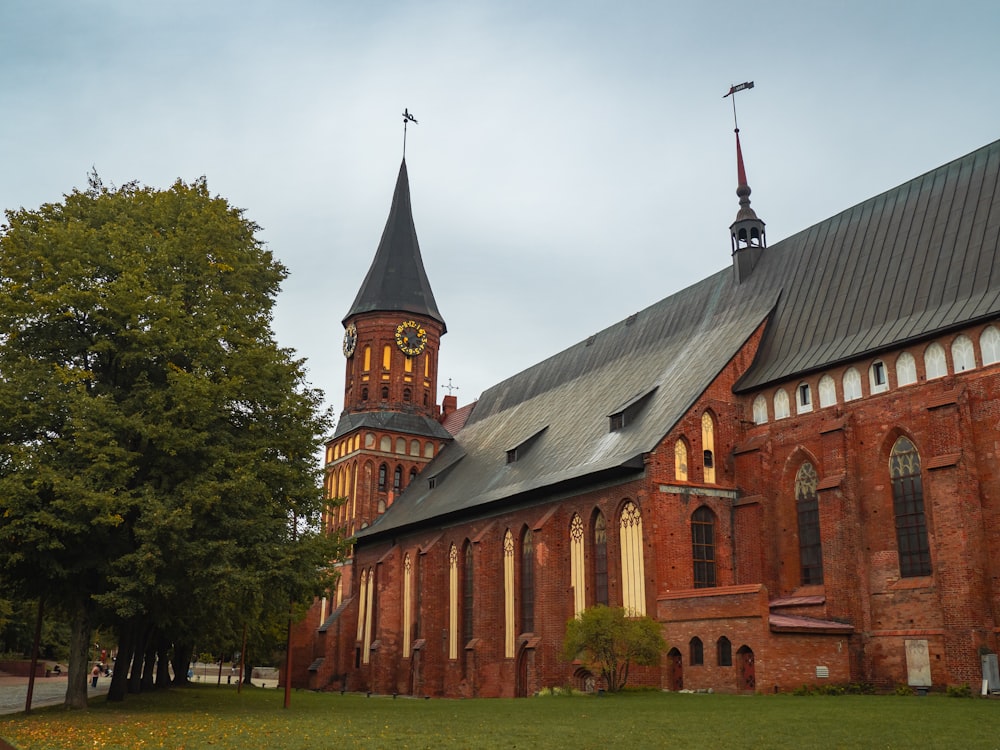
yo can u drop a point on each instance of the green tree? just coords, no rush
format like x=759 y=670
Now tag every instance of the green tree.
x=609 y=641
x=158 y=467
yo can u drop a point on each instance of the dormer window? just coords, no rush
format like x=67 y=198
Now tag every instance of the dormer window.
x=629 y=411
x=617 y=421
x=512 y=455
x=521 y=449
x=432 y=483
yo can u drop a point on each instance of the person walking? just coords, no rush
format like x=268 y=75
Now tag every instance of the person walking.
x=94 y=674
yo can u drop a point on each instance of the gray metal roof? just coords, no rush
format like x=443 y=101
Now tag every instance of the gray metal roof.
x=904 y=265
x=670 y=351
x=396 y=280
x=909 y=263
x=412 y=424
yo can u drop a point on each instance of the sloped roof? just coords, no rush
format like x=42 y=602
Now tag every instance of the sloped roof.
x=396 y=280
x=904 y=265
x=907 y=264
x=414 y=424
x=669 y=351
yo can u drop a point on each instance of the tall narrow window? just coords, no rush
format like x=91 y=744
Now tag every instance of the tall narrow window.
x=397 y=479
x=386 y=357
x=510 y=630
x=418 y=605
x=963 y=356
x=383 y=471
x=407 y=604
x=852 y=384
x=453 y=602
x=633 y=568
x=708 y=446
x=989 y=345
x=577 y=565
x=760 y=410
x=906 y=369
x=724 y=652
x=908 y=506
x=368 y=358
x=600 y=560
x=696 y=652
x=807 y=506
x=362 y=598
x=680 y=461
x=934 y=361
x=527 y=583
x=827 y=392
x=366 y=645
x=803 y=399
x=703 y=547
x=468 y=588
x=781 y=410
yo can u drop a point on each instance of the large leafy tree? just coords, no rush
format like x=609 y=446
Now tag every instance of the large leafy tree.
x=608 y=640
x=157 y=447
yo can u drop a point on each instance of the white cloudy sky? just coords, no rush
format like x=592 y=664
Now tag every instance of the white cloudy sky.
x=574 y=161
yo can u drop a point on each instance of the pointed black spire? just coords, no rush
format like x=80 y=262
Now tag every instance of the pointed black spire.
x=396 y=279
x=747 y=232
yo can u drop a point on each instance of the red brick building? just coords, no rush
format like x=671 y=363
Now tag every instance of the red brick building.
x=791 y=465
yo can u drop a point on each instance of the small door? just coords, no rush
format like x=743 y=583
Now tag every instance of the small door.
x=746 y=676
x=675 y=670
x=521 y=689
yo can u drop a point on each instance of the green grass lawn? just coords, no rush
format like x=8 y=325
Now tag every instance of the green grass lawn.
x=208 y=716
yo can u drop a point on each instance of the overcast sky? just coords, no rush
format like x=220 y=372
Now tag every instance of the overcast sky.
x=574 y=161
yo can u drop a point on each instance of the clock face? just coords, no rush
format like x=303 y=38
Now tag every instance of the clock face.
x=411 y=338
x=350 y=340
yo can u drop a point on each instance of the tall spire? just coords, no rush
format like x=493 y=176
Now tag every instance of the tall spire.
x=396 y=280
x=747 y=232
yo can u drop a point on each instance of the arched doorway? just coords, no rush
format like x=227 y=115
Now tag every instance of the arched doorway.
x=521 y=686
x=675 y=670
x=746 y=678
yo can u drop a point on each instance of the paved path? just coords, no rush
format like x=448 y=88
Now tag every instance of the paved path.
x=49 y=691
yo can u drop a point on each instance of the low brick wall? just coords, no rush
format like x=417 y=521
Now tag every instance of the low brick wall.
x=22 y=668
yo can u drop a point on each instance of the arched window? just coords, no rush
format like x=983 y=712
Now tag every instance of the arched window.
x=364 y=393
x=385 y=444
x=368 y=358
x=781 y=404
x=696 y=652
x=366 y=642
x=724 y=652
x=527 y=582
x=878 y=377
x=401 y=446
x=633 y=568
x=577 y=565
x=453 y=602
x=908 y=507
x=827 y=392
x=906 y=369
x=414 y=447
x=807 y=506
x=680 y=461
x=413 y=475
x=963 y=356
x=385 y=393
x=600 y=559
x=708 y=447
x=468 y=588
x=760 y=410
x=397 y=479
x=989 y=345
x=703 y=547
x=510 y=629
x=803 y=399
x=407 y=604
x=934 y=361
x=383 y=472
x=407 y=395
x=386 y=357
x=852 y=384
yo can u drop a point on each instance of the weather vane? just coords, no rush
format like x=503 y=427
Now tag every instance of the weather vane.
x=733 y=90
x=450 y=387
x=407 y=119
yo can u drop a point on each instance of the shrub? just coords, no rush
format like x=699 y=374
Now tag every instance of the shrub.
x=959 y=691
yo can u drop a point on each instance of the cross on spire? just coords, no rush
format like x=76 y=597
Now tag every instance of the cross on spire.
x=450 y=387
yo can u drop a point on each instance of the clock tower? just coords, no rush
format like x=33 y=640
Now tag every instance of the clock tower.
x=389 y=428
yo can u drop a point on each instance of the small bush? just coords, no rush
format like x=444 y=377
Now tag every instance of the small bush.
x=902 y=689
x=959 y=691
x=803 y=690
x=860 y=688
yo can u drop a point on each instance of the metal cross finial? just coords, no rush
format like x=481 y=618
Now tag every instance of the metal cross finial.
x=450 y=387
x=732 y=90
x=407 y=119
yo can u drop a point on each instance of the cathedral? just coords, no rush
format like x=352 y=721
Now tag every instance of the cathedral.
x=790 y=465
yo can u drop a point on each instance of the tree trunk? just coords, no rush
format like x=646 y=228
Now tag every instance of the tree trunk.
x=182 y=662
x=162 y=664
x=135 y=675
x=149 y=662
x=79 y=658
x=126 y=646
